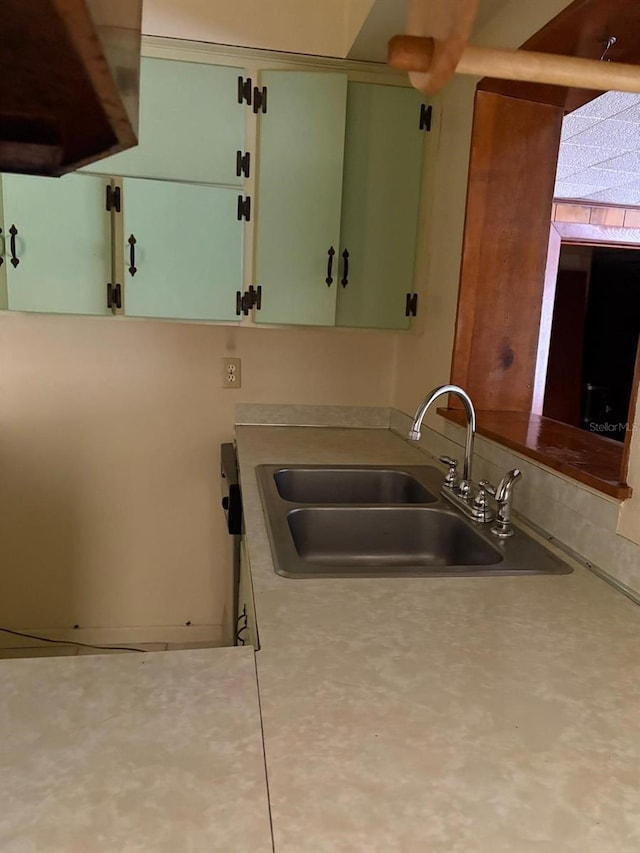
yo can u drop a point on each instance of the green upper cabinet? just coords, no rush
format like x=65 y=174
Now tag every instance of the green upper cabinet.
x=183 y=250
x=339 y=176
x=191 y=125
x=301 y=151
x=380 y=200
x=58 y=259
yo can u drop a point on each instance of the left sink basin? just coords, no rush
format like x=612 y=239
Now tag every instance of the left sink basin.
x=342 y=485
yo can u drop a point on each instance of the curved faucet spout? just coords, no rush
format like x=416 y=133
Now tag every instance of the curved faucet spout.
x=414 y=432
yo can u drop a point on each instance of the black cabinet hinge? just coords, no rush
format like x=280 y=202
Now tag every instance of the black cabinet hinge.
x=244 y=208
x=251 y=298
x=259 y=99
x=256 y=296
x=114 y=296
x=113 y=198
x=411 y=305
x=243 y=164
x=245 y=89
x=426 y=113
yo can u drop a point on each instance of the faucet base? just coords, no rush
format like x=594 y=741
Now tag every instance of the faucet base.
x=464 y=502
x=502 y=530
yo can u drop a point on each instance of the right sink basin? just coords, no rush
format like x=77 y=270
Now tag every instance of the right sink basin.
x=366 y=540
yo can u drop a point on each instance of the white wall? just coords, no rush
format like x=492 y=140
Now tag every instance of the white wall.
x=109 y=443
x=326 y=28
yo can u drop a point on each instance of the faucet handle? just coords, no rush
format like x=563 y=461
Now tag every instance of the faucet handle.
x=486 y=486
x=503 y=527
x=505 y=486
x=451 y=479
x=480 y=510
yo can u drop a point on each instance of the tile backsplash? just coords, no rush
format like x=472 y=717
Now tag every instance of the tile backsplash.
x=266 y=414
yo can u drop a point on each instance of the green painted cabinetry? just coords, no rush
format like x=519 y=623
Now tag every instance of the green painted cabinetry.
x=339 y=171
x=380 y=200
x=186 y=261
x=191 y=125
x=62 y=258
x=301 y=151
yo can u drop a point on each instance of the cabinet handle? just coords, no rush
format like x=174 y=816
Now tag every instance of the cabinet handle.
x=132 y=255
x=1 y=258
x=15 y=260
x=240 y=640
x=329 y=278
x=345 y=272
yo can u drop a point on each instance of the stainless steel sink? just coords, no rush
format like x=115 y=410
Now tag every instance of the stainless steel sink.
x=351 y=486
x=370 y=521
x=369 y=538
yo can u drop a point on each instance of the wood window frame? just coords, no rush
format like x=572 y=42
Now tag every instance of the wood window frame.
x=579 y=224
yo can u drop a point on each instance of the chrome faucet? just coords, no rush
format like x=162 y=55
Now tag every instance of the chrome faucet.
x=461 y=492
x=414 y=433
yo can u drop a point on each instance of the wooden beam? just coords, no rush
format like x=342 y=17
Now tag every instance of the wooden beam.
x=579 y=30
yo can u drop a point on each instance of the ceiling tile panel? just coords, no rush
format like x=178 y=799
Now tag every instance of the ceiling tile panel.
x=627 y=162
x=573 y=125
x=601 y=178
x=581 y=156
x=625 y=134
x=601 y=160
x=609 y=104
x=629 y=196
x=564 y=172
x=566 y=189
x=632 y=114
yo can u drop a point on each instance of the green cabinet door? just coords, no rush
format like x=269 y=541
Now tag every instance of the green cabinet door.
x=381 y=190
x=62 y=257
x=191 y=125
x=301 y=150
x=186 y=261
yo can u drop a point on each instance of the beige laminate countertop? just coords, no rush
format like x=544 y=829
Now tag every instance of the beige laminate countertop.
x=139 y=753
x=471 y=715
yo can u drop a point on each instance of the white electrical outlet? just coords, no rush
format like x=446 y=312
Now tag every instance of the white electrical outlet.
x=231 y=373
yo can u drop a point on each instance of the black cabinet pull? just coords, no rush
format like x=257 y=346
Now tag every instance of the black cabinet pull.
x=345 y=271
x=15 y=260
x=132 y=255
x=1 y=258
x=243 y=617
x=329 y=278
